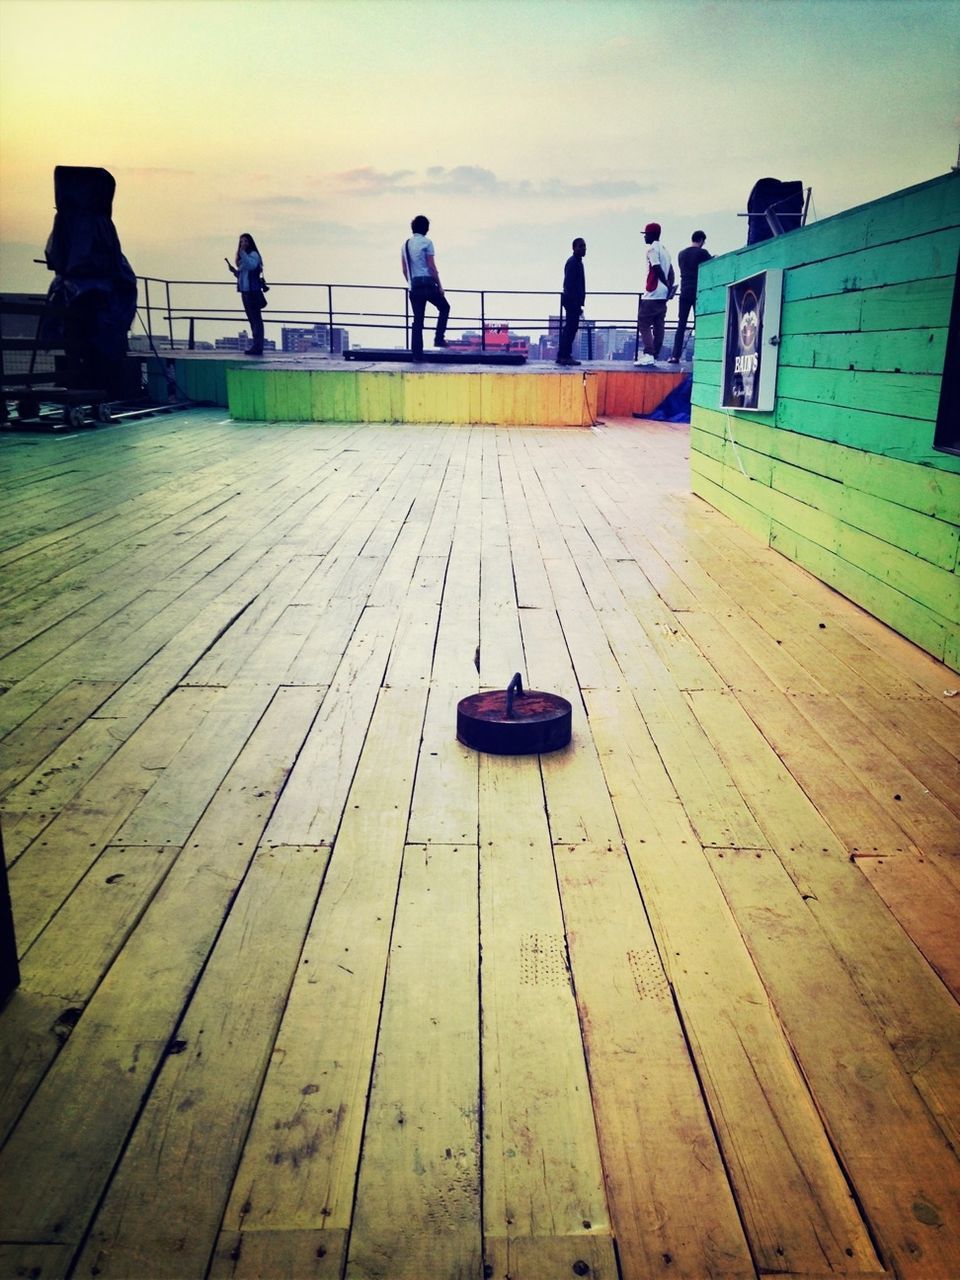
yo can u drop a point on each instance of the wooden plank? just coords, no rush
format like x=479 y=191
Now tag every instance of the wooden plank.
x=908 y=1181
x=95 y=922
x=309 y=813
x=541 y=1164
x=523 y=1258
x=927 y=906
x=300 y=1159
x=89 y=1099
x=264 y=1255
x=34 y=1028
x=656 y=1139
x=776 y=1151
x=911 y=1007
x=171 y=808
x=36 y=801
x=44 y=731
x=162 y=1211
x=61 y=855
x=418 y=1195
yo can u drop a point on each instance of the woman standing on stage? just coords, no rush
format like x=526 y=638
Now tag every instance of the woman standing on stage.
x=249 y=273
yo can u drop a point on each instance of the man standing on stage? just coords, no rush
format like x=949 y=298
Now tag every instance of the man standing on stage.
x=573 y=297
x=689 y=259
x=653 y=300
x=420 y=271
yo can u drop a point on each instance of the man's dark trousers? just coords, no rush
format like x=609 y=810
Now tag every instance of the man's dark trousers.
x=420 y=294
x=650 y=321
x=571 y=324
x=683 y=315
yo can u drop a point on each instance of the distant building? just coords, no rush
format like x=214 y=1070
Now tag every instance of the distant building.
x=162 y=342
x=241 y=342
x=589 y=344
x=495 y=337
x=315 y=338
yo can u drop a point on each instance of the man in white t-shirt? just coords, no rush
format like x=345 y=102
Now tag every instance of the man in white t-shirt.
x=653 y=300
x=420 y=271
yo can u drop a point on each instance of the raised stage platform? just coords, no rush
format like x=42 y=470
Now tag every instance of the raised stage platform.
x=314 y=388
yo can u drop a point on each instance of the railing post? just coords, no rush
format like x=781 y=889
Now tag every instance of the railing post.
x=169 y=315
x=483 y=320
x=146 y=297
x=330 y=317
x=637 y=335
x=589 y=341
x=406 y=319
x=190 y=342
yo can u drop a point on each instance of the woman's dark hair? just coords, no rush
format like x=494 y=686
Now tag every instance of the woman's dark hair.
x=253 y=245
x=420 y=225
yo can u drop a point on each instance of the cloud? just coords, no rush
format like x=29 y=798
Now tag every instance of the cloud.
x=475 y=180
x=369 y=181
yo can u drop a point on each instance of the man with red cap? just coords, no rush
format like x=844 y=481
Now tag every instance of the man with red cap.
x=653 y=300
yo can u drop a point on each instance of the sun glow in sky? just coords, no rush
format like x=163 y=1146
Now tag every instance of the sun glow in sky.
x=323 y=126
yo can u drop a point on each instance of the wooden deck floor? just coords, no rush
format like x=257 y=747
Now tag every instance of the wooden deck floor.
x=309 y=990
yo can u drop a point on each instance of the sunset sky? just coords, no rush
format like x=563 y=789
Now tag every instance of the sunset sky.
x=323 y=126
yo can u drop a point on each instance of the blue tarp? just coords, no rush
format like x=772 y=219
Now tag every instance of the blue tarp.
x=676 y=407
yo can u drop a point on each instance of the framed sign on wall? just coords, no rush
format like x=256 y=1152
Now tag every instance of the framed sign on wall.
x=751 y=340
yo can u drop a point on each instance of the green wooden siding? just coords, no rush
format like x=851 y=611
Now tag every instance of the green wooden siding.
x=842 y=477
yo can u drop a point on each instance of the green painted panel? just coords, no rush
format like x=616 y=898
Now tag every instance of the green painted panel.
x=837 y=313
x=926 y=257
x=240 y=385
x=333 y=396
x=926 y=489
x=915 y=304
x=921 y=625
x=951 y=650
x=291 y=395
x=937 y=589
x=904 y=351
x=905 y=395
x=923 y=536
x=890 y=351
x=270 y=380
x=921 y=259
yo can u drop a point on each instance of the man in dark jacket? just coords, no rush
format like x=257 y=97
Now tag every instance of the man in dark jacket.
x=573 y=298
x=690 y=260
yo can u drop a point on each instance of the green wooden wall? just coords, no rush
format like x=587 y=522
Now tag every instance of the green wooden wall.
x=842 y=477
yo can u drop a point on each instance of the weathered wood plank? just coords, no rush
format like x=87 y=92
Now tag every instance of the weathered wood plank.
x=915 y=1013
x=264 y=1255
x=300 y=1160
x=60 y=856
x=418 y=1195
x=656 y=1139
x=927 y=906
x=163 y=1208
x=94 y=1090
x=774 y=1146
x=541 y=1164
x=908 y=1181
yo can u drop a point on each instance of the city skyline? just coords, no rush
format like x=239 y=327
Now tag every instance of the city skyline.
x=324 y=125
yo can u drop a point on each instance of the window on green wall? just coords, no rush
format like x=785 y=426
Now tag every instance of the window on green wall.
x=947 y=435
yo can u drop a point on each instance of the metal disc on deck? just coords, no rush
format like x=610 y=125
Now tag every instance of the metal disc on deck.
x=514 y=721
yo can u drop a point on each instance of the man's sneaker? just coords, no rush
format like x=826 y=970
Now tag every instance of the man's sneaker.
x=673 y=359
x=440 y=343
x=643 y=358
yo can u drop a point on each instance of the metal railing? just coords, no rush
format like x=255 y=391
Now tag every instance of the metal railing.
x=184 y=311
